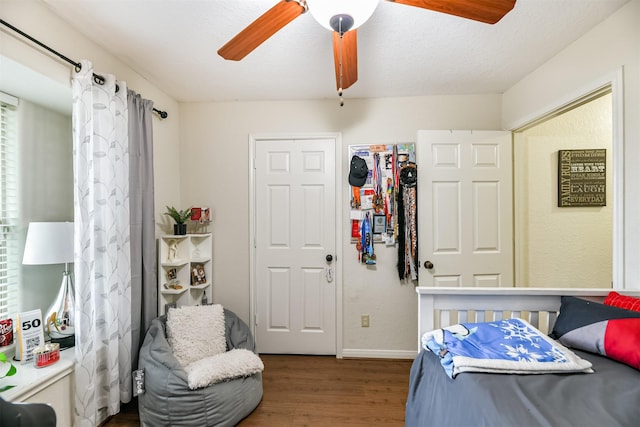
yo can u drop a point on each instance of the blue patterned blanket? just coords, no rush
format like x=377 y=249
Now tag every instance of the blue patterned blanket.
x=510 y=346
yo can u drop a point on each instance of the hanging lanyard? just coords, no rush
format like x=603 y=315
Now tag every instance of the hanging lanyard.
x=378 y=198
x=368 y=257
x=376 y=174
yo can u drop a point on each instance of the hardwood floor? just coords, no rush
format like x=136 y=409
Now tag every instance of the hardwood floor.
x=321 y=391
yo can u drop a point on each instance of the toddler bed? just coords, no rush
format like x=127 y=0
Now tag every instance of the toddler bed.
x=607 y=397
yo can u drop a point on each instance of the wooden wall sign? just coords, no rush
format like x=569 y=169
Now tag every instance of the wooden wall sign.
x=582 y=178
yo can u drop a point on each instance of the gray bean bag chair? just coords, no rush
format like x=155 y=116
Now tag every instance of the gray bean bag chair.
x=168 y=401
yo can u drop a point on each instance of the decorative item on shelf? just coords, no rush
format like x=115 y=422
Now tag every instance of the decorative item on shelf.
x=52 y=243
x=201 y=217
x=198 y=276
x=179 y=228
x=172 y=253
x=6 y=332
x=46 y=355
x=174 y=284
x=172 y=280
x=204 y=300
x=30 y=336
x=6 y=370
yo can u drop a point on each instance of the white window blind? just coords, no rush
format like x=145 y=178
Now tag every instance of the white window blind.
x=9 y=243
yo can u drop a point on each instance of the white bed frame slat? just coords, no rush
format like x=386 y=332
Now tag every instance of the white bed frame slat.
x=454 y=304
x=534 y=318
x=463 y=316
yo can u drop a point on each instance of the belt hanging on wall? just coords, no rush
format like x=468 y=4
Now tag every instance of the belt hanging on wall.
x=407 y=222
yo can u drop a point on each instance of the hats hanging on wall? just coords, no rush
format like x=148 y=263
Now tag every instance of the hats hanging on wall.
x=409 y=175
x=358 y=171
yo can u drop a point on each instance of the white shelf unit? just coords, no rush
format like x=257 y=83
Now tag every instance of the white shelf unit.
x=182 y=255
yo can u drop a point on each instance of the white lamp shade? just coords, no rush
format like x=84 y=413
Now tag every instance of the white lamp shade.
x=49 y=243
x=359 y=10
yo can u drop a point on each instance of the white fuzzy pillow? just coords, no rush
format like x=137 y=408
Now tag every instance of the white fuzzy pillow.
x=196 y=332
x=235 y=363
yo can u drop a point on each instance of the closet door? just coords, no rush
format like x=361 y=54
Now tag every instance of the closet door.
x=295 y=244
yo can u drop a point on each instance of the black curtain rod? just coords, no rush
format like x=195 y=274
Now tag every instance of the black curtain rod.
x=97 y=78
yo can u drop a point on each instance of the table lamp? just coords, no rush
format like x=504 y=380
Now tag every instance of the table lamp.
x=52 y=243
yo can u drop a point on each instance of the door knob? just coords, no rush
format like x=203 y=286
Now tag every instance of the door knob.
x=428 y=265
x=329 y=258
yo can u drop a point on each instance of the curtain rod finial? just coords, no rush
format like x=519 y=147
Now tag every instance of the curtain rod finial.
x=162 y=114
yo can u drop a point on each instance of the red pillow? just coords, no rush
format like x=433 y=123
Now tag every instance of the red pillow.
x=622 y=301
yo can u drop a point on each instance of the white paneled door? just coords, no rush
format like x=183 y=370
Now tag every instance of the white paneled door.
x=465 y=208
x=295 y=240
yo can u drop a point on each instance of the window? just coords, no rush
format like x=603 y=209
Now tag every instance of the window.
x=9 y=251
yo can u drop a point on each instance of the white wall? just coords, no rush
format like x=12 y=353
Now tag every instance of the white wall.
x=46 y=191
x=214 y=144
x=612 y=45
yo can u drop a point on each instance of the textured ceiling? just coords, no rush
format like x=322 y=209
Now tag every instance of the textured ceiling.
x=402 y=50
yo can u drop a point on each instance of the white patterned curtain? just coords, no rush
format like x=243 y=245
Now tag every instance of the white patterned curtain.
x=102 y=251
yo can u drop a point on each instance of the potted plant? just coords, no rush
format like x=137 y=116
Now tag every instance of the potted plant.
x=179 y=228
x=6 y=370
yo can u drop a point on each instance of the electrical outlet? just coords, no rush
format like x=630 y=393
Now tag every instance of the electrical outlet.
x=364 y=320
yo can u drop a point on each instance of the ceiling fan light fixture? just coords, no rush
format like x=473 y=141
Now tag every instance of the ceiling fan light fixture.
x=324 y=11
x=341 y=23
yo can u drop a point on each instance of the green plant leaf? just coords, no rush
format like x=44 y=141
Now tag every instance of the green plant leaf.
x=178 y=216
x=12 y=371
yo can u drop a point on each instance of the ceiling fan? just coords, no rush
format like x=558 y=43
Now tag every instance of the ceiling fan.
x=343 y=17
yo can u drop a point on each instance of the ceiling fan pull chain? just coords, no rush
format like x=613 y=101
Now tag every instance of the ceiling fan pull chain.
x=341 y=60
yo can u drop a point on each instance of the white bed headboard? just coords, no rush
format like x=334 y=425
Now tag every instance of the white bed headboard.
x=440 y=307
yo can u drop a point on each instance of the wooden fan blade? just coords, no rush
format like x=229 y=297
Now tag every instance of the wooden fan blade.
x=488 y=11
x=261 y=29
x=345 y=52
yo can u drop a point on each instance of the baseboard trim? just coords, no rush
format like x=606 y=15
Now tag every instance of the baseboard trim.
x=377 y=354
